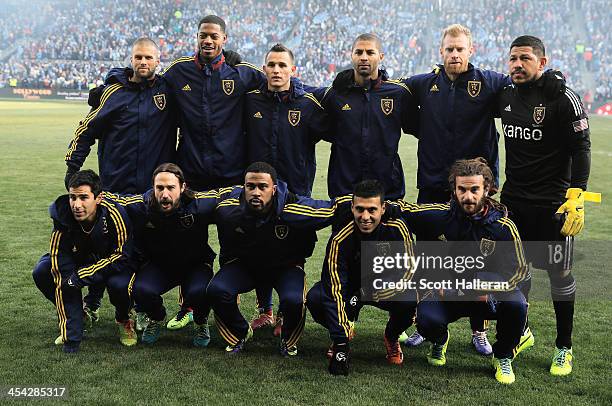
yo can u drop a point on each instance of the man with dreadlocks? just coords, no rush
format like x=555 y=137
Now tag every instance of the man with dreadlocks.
x=471 y=216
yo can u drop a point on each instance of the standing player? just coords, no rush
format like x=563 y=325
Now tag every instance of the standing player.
x=283 y=123
x=368 y=113
x=456 y=121
x=209 y=94
x=336 y=299
x=91 y=244
x=547 y=159
x=133 y=119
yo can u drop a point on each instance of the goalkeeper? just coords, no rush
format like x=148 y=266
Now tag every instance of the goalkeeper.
x=548 y=159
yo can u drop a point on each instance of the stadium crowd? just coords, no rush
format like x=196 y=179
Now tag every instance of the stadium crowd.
x=63 y=44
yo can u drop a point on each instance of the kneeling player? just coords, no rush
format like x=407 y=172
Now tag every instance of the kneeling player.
x=265 y=234
x=336 y=299
x=472 y=216
x=171 y=233
x=91 y=244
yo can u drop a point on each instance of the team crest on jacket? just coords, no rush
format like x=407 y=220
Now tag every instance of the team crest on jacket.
x=386 y=106
x=160 y=101
x=294 y=117
x=228 y=86
x=473 y=87
x=538 y=114
x=487 y=247
x=281 y=231
x=383 y=249
x=187 y=220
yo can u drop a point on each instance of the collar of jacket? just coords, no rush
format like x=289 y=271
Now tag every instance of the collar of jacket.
x=296 y=90
x=463 y=77
x=490 y=214
x=215 y=64
x=525 y=87
x=123 y=75
x=382 y=75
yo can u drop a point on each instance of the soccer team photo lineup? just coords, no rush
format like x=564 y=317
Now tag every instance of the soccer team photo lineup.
x=235 y=206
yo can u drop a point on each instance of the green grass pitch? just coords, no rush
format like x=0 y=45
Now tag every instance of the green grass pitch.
x=33 y=140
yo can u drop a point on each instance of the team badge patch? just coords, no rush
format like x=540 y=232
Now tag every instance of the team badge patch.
x=386 y=105
x=473 y=87
x=160 y=101
x=383 y=248
x=187 y=220
x=228 y=86
x=294 y=117
x=538 y=114
x=281 y=231
x=487 y=247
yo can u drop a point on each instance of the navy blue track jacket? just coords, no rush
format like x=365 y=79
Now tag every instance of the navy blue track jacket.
x=455 y=121
x=285 y=236
x=212 y=144
x=448 y=222
x=135 y=124
x=282 y=130
x=368 y=124
x=180 y=237
x=107 y=248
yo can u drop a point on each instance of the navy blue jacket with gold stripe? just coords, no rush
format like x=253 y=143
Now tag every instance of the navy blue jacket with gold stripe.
x=106 y=248
x=455 y=121
x=135 y=125
x=341 y=276
x=179 y=238
x=282 y=130
x=448 y=222
x=367 y=126
x=284 y=236
x=212 y=145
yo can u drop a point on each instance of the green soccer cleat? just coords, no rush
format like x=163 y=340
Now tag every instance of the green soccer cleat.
x=90 y=317
x=503 y=370
x=288 y=351
x=239 y=346
x=141 y=321
x=181 y=320
x=527 y=341
x=151 y=333
x=127 y=334
x=562 y=362
x=437 y=353
x=201 y=336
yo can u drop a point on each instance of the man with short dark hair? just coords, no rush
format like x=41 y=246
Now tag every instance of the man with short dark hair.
x=368 y=112
x=547 y=160
x=265 y=234
x=335 y=301
x=209 y=94
x=283 y=123
x=171 y=236
x=91 y=243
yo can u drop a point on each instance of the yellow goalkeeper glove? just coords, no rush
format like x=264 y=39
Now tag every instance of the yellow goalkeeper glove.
x=574 y=210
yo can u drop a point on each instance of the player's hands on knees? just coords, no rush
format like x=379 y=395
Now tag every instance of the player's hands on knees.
x=573 y=209
x=339 y=362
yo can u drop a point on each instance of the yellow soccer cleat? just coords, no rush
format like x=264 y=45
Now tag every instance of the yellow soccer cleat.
x=562 y=362
x=437 y=353
x=503 y=370
x=527 y=341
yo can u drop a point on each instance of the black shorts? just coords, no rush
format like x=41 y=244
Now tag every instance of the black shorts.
x=540 y=231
